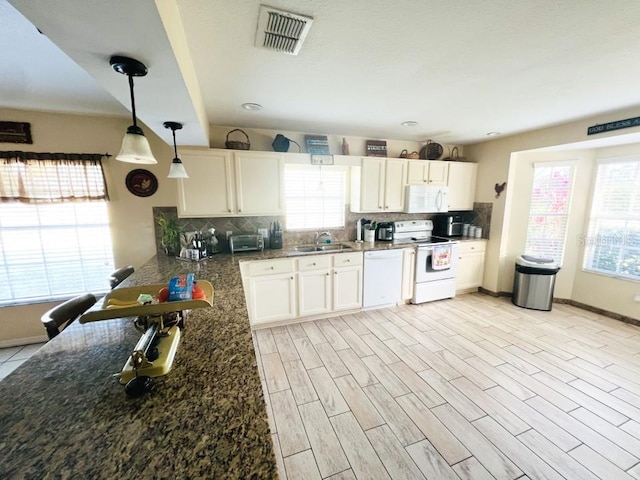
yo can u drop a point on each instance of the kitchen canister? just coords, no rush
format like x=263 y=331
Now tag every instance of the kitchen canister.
x=369 y=235
x=478 y=232
x=465 y=229
x=472 y=231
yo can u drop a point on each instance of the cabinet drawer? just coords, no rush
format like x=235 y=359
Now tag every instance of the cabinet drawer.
x=347 y=259
x=314 y=262
x=469 y=246
x=270 y=267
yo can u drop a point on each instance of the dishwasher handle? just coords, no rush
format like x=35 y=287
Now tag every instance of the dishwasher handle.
x=383 y=255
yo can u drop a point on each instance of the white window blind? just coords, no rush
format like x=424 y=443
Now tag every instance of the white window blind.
x=549 y=211
x=52 y=251
x=314 y=197
x=613 y=240
x=55 y=240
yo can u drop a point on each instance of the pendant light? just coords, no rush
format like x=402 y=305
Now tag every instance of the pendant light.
x=135 y=146
x=177 y=169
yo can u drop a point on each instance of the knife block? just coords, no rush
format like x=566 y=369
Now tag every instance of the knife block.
x=276 y=239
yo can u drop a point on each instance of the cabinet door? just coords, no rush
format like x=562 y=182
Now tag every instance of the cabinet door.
x=462 y=185
x=438 y=172
x=272 y=298
x=372 y=184
x=208 y=190
x=408 y=272
x=470 y=270
x=314 y=292
x=395 y=181
x=259 y=183
x=347 y=288
x=418 y=172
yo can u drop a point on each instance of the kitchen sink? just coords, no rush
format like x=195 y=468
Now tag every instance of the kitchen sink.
x=329 y=247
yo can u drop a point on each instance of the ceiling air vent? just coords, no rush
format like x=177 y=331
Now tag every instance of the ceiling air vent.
x=281 y=31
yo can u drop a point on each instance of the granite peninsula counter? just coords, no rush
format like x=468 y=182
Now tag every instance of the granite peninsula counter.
x=64 y=415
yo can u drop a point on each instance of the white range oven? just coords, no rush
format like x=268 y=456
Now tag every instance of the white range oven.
x=436 y=260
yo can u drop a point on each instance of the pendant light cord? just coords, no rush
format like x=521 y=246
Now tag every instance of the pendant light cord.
x=175 y=148
x=133 y=102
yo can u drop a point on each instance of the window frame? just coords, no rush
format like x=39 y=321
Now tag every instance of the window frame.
x=589 y=241
x=342 y=170
x=572 y=164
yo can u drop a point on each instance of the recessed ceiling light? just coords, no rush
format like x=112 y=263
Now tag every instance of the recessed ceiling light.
x=493 y=134
x=409 y=123
x=252 y=106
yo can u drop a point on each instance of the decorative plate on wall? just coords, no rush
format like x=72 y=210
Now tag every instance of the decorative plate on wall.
x=142 y=183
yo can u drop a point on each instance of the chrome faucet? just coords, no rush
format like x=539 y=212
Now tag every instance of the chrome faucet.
x=323 y=234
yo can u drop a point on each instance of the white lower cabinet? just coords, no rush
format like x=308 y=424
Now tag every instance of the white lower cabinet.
x=270 y=290
x=470 y=265
x=347 y=288
x=314 y=285
x=278 y=290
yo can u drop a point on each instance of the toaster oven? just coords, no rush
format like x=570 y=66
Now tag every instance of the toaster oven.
x=246 y=243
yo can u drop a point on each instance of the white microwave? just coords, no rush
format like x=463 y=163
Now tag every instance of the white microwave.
x=426 y=199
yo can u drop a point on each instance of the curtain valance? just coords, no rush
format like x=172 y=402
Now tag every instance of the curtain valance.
x=33 y=177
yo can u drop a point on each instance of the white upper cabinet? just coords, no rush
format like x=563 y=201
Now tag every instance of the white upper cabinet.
x=231 y=183
x=462 y=185
x=208 y=192
x=431 y=172
x=377 y=185
x=259 y=183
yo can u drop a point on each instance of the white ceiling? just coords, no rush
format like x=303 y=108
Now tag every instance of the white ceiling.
x=460 y=68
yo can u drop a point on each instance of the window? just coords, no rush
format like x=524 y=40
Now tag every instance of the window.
x=613 y=240
x=55 y=240
x=549 y=210
x=314 y=197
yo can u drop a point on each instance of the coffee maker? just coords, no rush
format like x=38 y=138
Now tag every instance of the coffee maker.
x=384 y=232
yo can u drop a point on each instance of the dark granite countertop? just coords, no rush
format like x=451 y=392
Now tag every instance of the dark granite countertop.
x=64 y=415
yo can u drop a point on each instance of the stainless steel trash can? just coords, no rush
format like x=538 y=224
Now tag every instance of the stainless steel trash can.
x=534 y=281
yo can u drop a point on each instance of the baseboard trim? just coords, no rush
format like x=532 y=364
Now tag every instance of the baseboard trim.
x=18 y=342
x=494 y=294
x=573 y=303
x=600 y=311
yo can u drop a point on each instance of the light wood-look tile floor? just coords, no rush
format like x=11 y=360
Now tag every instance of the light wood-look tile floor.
x=470 y=388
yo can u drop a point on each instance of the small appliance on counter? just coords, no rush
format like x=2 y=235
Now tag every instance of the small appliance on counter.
x=448 y=225
x=276 y=235
x=384 y=232
x=246 y=243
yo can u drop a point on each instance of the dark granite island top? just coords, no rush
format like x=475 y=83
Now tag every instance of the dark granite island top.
x=63 y=414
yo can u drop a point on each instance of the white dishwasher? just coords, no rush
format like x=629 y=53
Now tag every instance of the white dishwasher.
x=382 y=278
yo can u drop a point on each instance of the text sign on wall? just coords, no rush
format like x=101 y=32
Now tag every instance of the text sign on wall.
x=617 y=125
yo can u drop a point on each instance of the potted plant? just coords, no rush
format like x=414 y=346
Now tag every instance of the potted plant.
x=170 y=229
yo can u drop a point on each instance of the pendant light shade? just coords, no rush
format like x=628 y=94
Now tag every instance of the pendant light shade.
x=177 y=169
x=135 y=146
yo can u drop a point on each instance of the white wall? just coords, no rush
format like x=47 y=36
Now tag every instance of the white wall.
x=516 y=221
x=132 y=225
x=609 y=293
x=498 y=161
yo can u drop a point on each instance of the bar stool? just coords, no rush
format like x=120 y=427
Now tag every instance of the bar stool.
x=120 y=275
x=59 y=317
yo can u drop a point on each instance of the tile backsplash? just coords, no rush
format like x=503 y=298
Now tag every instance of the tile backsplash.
x=479 y=216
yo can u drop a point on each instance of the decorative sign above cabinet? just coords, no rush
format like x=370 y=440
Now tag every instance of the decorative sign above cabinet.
x=317 y=144
x=376 y=148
